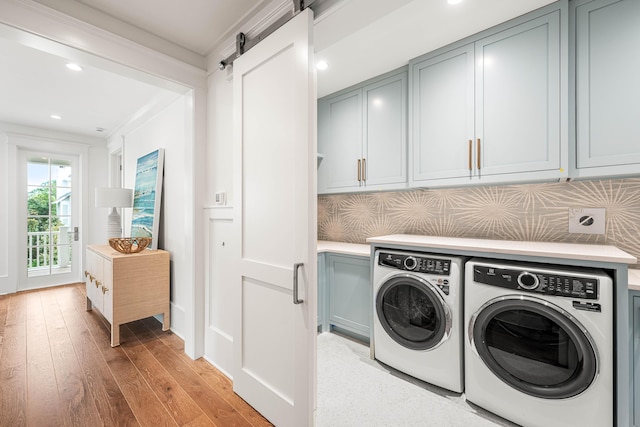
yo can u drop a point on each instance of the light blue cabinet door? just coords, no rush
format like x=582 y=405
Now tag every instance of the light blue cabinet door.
x=350 y=299
x=518 y=98
x=607 y=60
x=490 y=110
x=385 y=131
x=340 y=141
x=362 y=134
x=443 y=121
x=635 y=346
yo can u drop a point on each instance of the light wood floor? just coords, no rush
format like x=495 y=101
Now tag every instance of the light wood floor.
x=58 y=369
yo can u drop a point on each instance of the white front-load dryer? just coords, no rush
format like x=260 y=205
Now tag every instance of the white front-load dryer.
x=417 y=315
x=539 y=343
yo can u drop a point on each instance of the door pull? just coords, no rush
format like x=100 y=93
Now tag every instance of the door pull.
x=296 y=266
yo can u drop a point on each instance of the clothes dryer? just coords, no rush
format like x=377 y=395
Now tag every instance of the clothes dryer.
x=417 y=315
x=539 y=343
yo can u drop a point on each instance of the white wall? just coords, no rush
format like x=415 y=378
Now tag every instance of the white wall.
x=219 y=222
x=220 y=136
x=169 y=129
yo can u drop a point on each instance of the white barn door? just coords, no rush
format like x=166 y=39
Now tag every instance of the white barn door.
x=274 y=92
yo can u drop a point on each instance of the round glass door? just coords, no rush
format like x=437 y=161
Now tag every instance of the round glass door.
x=535 y=348
x=413 y=313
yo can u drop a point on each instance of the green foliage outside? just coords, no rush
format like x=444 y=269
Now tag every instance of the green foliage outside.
x=38 y=202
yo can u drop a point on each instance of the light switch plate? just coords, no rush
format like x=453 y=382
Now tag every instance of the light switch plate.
x=587 y=220
x=221 y=198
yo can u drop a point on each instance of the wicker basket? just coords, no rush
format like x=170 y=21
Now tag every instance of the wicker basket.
x=129 y=245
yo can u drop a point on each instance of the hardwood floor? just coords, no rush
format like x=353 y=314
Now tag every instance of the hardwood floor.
x=58 y=369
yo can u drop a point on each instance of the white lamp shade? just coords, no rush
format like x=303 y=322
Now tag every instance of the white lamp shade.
x=114 y=197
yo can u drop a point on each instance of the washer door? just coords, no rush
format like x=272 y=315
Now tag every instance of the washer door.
x=413 y=313
x=534 y=347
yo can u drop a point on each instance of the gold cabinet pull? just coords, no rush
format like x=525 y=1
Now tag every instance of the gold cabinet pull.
x=478 y=154
x=86 y=273
x=98 y=283
x=470 y=155
x=104 y=290
x=364 y=169
x=359 y=171
x=91 y=278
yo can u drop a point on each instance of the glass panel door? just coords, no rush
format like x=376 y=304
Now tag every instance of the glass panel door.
x=49 y=216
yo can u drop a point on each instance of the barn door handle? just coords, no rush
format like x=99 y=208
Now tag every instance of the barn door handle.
x=296 y=266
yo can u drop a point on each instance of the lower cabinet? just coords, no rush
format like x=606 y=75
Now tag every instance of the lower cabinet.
x=349 y=294
x=634 y=306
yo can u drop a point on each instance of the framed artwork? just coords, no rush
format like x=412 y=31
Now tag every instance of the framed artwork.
x=147 y=194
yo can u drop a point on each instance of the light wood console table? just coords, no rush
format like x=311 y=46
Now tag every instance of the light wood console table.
x=127 y=287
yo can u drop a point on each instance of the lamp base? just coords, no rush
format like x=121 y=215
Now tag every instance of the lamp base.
x=114 y=224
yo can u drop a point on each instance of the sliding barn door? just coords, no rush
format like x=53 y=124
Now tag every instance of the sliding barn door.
x=275 y=224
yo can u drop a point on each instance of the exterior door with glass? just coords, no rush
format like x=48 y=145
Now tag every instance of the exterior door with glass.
x=48 y=202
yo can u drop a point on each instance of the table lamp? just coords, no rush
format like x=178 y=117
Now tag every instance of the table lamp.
x=114 y=198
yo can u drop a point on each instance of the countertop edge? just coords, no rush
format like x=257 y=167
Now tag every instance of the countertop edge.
x=558 y=250
x=364 y=250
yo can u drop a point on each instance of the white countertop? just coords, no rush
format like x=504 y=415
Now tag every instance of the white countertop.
x=547 y=249
x=344 y=248
x=575 y=251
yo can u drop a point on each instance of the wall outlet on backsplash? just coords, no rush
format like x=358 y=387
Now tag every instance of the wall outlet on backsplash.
x=587 y=220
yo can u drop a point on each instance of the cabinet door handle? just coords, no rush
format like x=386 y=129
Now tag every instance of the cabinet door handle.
x=296 y=266
x=359 y=171
x=91 y=278
x=364 y=169
x=86 y=273
x=470 y=156
x=98 y=283
x=478 y=154
x=104 y=290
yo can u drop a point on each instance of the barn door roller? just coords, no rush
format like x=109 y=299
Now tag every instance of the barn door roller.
x=243 y=44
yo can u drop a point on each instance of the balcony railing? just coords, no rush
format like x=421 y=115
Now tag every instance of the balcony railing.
x=48 y=251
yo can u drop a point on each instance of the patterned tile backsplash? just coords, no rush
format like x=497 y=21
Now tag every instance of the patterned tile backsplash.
x=535 y=212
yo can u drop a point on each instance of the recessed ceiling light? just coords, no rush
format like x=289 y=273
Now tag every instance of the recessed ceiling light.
x=55 y=117
x=322 y=65
x=454 y=1
x=74 y=67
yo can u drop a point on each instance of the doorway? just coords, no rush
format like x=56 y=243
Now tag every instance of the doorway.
x=48 y=204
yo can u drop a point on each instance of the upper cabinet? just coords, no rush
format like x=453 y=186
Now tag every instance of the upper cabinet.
x=490 y=110
x=362 y=134
x=606 y=59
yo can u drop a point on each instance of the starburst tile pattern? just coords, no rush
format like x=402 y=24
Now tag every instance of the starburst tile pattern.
x=534 y=212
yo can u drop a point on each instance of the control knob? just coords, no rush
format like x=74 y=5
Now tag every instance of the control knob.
x=528 y=280
x=410 y=263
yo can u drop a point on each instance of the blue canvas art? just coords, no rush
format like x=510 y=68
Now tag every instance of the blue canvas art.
x=146 y=197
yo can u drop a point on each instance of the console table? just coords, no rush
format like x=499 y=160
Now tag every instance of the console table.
x=127 y=287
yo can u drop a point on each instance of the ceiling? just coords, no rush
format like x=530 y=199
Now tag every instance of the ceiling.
x=358 y=38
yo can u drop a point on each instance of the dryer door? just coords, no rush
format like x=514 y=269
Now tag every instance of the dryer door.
x=413 y=313
x=534 y=346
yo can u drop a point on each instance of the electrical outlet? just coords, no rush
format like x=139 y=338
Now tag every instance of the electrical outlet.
x=587 y=220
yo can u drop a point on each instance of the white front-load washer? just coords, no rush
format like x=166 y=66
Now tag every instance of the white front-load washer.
x=417 y=315
x=539 y=343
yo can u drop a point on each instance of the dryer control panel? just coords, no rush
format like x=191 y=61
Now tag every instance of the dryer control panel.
x=537 y=282
x=415 y=263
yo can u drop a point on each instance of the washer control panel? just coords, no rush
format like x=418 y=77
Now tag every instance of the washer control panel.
x=416 y=263
x=565 y=285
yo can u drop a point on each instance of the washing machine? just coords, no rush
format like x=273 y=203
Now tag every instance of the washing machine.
x=417 y=320
x=539 y=343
